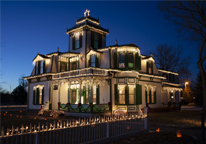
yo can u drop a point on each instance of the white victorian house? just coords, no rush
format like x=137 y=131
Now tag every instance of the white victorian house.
x=92 y=77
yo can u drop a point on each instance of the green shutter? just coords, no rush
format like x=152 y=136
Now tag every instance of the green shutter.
x=44 y=69
x=145 y=96
x=96 y=61
x=126 y=94
x=42 y=96
x=73 y=42
x=34 y=97
x=150 y=95
x=97 y=95
x=35 y=68
x=151 y=65
x=39 y=66
x=116 y=93
x=138 y=94
x=155 y=97
x=68 y=64
x=84 y=94
x=147 y=67
x=115 y=60
x=37 y=96
x=80 y=40
x=136 y=61
x=92 y=39
x=100 y=41
x=126 y=60
x=139 y=64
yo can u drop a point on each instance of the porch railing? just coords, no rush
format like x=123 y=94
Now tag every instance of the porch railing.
x=81 y=72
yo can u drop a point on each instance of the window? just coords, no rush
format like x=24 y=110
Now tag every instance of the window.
x=37 y=68
x=131 y=94
x=94 y=94
x=62 y=66
x=74 y=65
x=150 y=67
x=121 y=60
x=38 y=95
x=130 y=60
x=121 y=94
x=93 y=60
x=76 y=42
x=42 y=68
x=150 y=94
x=73 y=97
x=96 y=40
x=171 y=77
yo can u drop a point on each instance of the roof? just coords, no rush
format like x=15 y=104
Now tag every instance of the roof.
x=132 y=45
x=41 y=55
x=88 y=23
x=82 y=18
x=94 y=51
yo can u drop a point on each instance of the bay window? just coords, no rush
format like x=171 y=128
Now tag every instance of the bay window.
x=131 y=94
x=38 y=95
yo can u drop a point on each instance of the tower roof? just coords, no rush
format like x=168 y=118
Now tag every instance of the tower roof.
x=88 y=21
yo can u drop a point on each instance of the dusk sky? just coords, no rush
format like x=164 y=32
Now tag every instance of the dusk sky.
x=31 y=27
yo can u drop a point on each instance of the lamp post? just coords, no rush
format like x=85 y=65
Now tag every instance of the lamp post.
x=186 y=83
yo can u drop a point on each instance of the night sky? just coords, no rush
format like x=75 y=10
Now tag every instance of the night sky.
x=31 y=27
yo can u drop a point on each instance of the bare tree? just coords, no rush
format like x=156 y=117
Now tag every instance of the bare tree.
x=170 y=58
x=190 y=17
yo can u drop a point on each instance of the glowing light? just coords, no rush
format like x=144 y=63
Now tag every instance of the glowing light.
x=179 y=133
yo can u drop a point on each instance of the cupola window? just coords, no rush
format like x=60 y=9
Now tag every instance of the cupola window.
x=121 y=60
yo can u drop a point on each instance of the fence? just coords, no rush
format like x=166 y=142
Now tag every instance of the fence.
x=13 y=108
x=90 y=130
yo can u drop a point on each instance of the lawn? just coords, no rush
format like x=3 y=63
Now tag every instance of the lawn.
x=188 y=121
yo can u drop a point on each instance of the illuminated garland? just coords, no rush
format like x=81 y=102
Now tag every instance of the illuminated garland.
x=83 y=109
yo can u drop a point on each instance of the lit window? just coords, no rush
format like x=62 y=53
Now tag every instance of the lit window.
x=131 y=94
x=121 y=60
x=94 y=94
x=38 y=95
x=148 y=100
x=152 y=91
x=121 y=94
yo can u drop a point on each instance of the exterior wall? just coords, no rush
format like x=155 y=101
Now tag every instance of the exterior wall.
x=104 y=59
x=104 y=96
x=155 y=70
x=165 y=97
x=158 y=94
x=46 y=93
x=64 y=93
x=54 y=98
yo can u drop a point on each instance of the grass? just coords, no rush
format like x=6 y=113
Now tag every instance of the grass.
x=184 y=118
x=159 y=138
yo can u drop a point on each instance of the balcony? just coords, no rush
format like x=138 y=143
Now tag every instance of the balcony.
x=81 y=72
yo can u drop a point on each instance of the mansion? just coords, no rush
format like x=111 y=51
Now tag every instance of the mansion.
x=106 y=77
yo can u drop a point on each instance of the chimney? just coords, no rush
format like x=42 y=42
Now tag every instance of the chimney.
x=57 y=49
x=116 y=42
x=37 y=53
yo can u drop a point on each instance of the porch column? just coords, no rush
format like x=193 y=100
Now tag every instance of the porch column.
x=91 y=100
x=59 y=86
x=179 y=96
x=69 y=92
x=168 y=95
x=80 y=85
x=174 y=95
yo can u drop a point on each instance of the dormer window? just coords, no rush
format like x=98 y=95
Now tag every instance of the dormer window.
x=131 y=60
x=40 y=67
x=150 y=67
x=122 y=60
x=93 y=57
x=76 y=42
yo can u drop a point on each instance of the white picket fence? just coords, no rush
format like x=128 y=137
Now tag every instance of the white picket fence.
x=87 y=130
